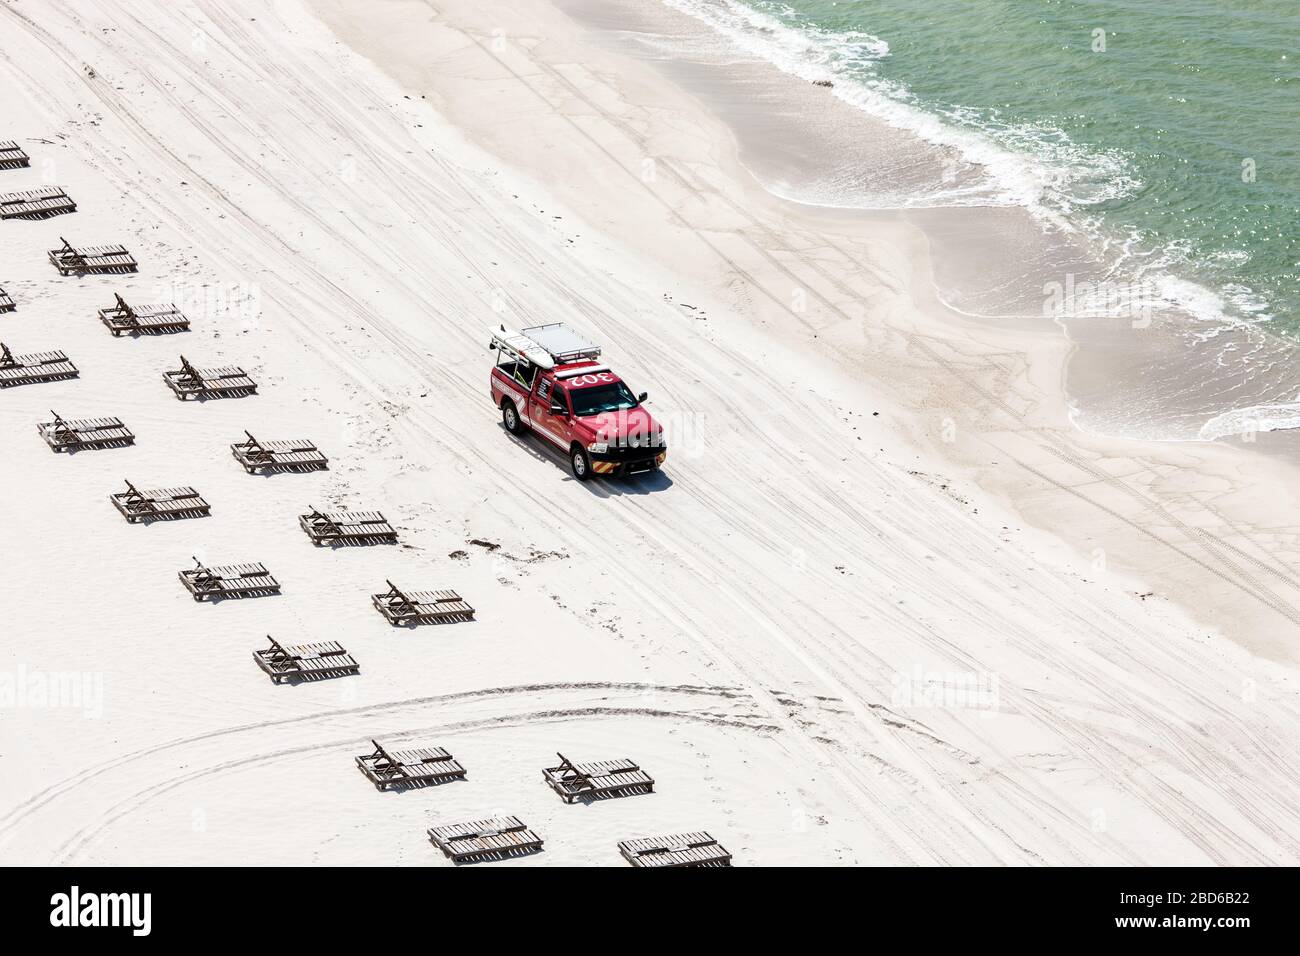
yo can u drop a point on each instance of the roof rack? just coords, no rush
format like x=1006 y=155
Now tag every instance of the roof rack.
x=562 y=343
x=545 y=346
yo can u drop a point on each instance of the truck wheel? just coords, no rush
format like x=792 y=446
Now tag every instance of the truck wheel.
x=580 y=463
x=510 y=418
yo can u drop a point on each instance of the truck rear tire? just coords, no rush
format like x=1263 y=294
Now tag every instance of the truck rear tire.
x=510 y=418
x=579 y=463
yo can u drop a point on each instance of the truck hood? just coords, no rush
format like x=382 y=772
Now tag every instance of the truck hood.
x=632 y=427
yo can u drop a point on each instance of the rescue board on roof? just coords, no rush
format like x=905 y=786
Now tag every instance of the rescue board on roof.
x=521 y=348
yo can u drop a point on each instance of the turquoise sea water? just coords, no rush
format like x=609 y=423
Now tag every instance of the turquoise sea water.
x=1167 y=129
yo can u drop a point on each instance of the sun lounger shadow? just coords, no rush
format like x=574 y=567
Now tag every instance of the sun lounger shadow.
x=589 y=799
x=340 y=545
x=215 y=599
x=414 y=785
x=498 y=856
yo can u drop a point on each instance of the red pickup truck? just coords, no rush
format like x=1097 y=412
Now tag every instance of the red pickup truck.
x=548 y=379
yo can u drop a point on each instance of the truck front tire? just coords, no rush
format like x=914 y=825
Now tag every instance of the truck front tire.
x=580 y=463
x=510 y=418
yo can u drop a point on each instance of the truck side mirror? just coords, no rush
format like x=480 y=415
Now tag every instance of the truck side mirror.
x=558 y=409
x=643 y=396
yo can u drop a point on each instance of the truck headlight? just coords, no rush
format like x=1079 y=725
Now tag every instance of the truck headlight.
x=599 y=447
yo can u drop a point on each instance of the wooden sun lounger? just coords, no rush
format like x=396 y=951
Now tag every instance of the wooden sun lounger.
x=91 y=260
x=160 y=504
x=297 y=455
x=421 y=607
x=230 y=581
x=37 y=367
x=160 y=319
x=679 y=849
x=495 y=839
x=602 y=778
x=347 y=527
x=227 y=382
x=305 y=662
x=39 y=203
x=6 y=302
x=409 y=768
x=77 y=433
x=12 y=156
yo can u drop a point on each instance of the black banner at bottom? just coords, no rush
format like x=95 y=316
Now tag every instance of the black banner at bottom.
x=216 y=905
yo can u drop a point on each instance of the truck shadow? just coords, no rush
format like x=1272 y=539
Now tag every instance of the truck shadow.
x=542 y=450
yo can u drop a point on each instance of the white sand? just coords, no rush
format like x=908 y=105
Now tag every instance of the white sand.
x=747 y=626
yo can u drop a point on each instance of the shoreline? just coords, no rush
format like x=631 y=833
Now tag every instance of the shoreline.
x=1156 y=357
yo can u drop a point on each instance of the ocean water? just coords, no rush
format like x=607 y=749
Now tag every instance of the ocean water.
x=1174 y=125
x=1165 y=132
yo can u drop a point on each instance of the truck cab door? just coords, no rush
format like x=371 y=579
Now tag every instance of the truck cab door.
x=554 y=428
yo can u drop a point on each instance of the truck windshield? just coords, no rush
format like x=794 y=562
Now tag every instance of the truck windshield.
x=602 y=398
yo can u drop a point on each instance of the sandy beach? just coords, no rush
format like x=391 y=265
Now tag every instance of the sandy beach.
x=884 y=605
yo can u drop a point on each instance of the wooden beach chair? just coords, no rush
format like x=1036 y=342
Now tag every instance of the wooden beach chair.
x=230 y=581
x=74 y=434
x=496 y=839
x=421 y=607
x=679 y=849
x=6 y=302
x=347 y=527
x=41 y=203
x=12 y=156
x=597 y=780
x=424 y=766
x=91 y=260
x=160 y=319
x=298 y=455
x=159 y=504
x=305 y=662
x=37 y=367
x=202 y=383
